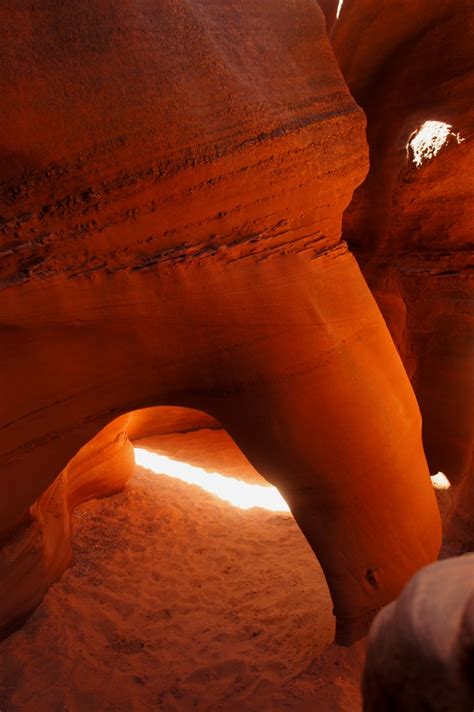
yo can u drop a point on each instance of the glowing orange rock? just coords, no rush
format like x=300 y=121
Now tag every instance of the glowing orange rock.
x=410 y=223
x=174 y=180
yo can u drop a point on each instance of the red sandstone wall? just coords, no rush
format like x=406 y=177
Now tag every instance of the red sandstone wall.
x=411 y=227
x=174 y=178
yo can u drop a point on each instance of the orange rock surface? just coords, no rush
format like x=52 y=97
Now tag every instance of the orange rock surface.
x=410 y=225
x=173 y=182
x=35 y=554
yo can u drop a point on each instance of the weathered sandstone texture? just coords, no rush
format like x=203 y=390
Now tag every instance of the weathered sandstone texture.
x=35 y=554
x=421 y=647
x=460 y=518
x=410 y=225
x=329 y=8
x=173 y=181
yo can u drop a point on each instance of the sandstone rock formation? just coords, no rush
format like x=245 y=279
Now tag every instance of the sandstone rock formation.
x=421 y=647
x=35 y=554
x=173 y=181
x=329 y=8
x=460 y=518
x=410 y=222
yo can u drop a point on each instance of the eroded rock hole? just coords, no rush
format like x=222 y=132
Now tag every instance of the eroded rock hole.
x=427 y=141
x=371 y=577
x=194 y=583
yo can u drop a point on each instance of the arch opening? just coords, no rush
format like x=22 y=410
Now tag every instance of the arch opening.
x=179 y=595
x=230 y=489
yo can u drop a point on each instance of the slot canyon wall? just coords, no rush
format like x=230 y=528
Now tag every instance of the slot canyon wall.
x=410 y=226
x=173 y=182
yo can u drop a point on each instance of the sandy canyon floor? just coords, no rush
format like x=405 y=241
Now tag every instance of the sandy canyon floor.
x=179 y=601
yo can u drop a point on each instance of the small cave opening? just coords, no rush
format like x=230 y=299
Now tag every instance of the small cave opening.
x=425 y=142
x=440 y=481
x=191 y=588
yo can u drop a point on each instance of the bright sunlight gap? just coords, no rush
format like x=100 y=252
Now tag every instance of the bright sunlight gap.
x=239 y=493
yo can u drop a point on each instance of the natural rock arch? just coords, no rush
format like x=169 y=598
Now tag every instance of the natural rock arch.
x=185 y=249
